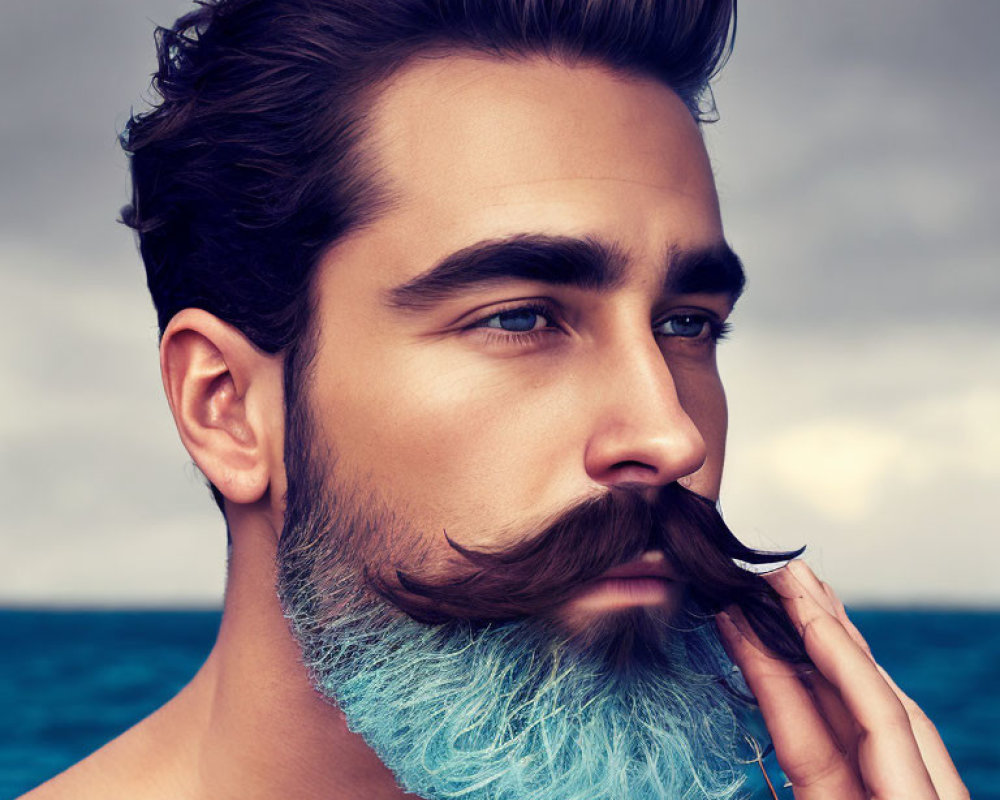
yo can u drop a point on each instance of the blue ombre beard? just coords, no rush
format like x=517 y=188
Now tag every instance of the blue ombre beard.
x=506 y=713
x=516 y=710
x=636 y=706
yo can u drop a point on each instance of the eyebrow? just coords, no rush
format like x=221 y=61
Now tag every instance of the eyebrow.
x=584 y=263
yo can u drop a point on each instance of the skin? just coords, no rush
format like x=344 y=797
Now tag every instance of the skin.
x=455 y=429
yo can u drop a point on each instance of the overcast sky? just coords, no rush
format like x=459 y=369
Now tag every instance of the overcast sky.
x=855 y=158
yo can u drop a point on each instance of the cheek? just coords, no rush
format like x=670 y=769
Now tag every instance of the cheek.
x=703 y=398
x=447 y=438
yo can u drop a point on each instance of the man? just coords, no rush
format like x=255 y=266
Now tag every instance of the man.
x=439 y=284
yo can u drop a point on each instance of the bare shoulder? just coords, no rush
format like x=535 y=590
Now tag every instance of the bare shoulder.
x=136 y=765
x=155 y=759
x=82 y=781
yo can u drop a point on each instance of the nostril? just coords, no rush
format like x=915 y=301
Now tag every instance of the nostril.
x=624 y=464
x=625 y=471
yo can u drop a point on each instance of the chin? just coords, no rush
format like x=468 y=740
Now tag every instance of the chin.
x=622 y=638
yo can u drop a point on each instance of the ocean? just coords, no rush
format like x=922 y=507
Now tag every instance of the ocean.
x=72 y=680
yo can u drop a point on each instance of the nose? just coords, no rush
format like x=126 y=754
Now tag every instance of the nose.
x=641 y=433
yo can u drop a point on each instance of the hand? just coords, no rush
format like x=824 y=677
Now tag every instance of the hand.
x=843 y=731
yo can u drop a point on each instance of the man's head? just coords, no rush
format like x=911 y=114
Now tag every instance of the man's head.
x=476 y=246
x=258 y=158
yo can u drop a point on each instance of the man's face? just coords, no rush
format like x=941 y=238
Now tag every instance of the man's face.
x=518 y=357
x=485 y=410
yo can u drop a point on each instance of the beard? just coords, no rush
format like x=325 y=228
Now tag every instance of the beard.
x=468 y=685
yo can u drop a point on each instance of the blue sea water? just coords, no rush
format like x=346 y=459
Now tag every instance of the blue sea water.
x=72 y=680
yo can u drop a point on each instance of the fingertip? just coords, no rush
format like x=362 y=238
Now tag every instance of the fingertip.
x=725 y=622
x=741 y=633
x=800 y=569
x=784 y=582
x=729 y=634
x=775 y=574
x=801 y=573
x=814 y=588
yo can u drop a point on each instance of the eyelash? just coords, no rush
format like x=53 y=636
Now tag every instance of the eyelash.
x=717 y=331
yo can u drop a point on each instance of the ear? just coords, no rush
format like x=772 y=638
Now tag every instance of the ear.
x=227 y=401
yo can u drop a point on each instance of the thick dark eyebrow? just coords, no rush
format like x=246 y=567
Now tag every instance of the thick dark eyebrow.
x=583 y=263
x=717 y=270
x=566 y=261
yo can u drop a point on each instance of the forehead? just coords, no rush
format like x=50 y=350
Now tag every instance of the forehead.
x=473 y=147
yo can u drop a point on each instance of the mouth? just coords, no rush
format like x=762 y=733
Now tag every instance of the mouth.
x=647 y=581
x=651 y=564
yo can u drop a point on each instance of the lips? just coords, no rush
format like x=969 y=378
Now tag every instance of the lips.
x=647 y=581
x=651 y=564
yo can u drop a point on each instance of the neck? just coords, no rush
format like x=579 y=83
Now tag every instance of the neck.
x=267 y=732
x=249 y=724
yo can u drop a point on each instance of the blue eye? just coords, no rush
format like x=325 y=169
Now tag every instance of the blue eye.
x=525 y=323
x=516 y=320
x=688 y=326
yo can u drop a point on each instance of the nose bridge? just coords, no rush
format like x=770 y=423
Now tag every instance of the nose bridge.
x=641 y=432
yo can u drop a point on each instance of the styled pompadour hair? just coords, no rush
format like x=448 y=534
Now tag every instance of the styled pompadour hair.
x=252 y=162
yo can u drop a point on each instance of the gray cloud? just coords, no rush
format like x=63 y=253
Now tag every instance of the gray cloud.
x=69 y=74
x=856 y=161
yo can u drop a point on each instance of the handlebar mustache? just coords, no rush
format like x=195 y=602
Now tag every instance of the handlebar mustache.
x=544 y=569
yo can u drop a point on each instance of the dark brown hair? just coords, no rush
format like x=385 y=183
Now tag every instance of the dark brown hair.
x=250 y=164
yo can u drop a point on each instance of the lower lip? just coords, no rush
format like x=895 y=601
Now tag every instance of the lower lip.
x=607 y=594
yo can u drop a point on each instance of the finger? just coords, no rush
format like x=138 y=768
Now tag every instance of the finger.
x=805 y=747
x=944 y=775
x=807 y=578
x=888 y=756
x=841 y=613
x=845 y=730
x=828 y=699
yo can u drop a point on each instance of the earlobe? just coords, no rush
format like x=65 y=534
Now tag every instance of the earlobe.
x=226 y=399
